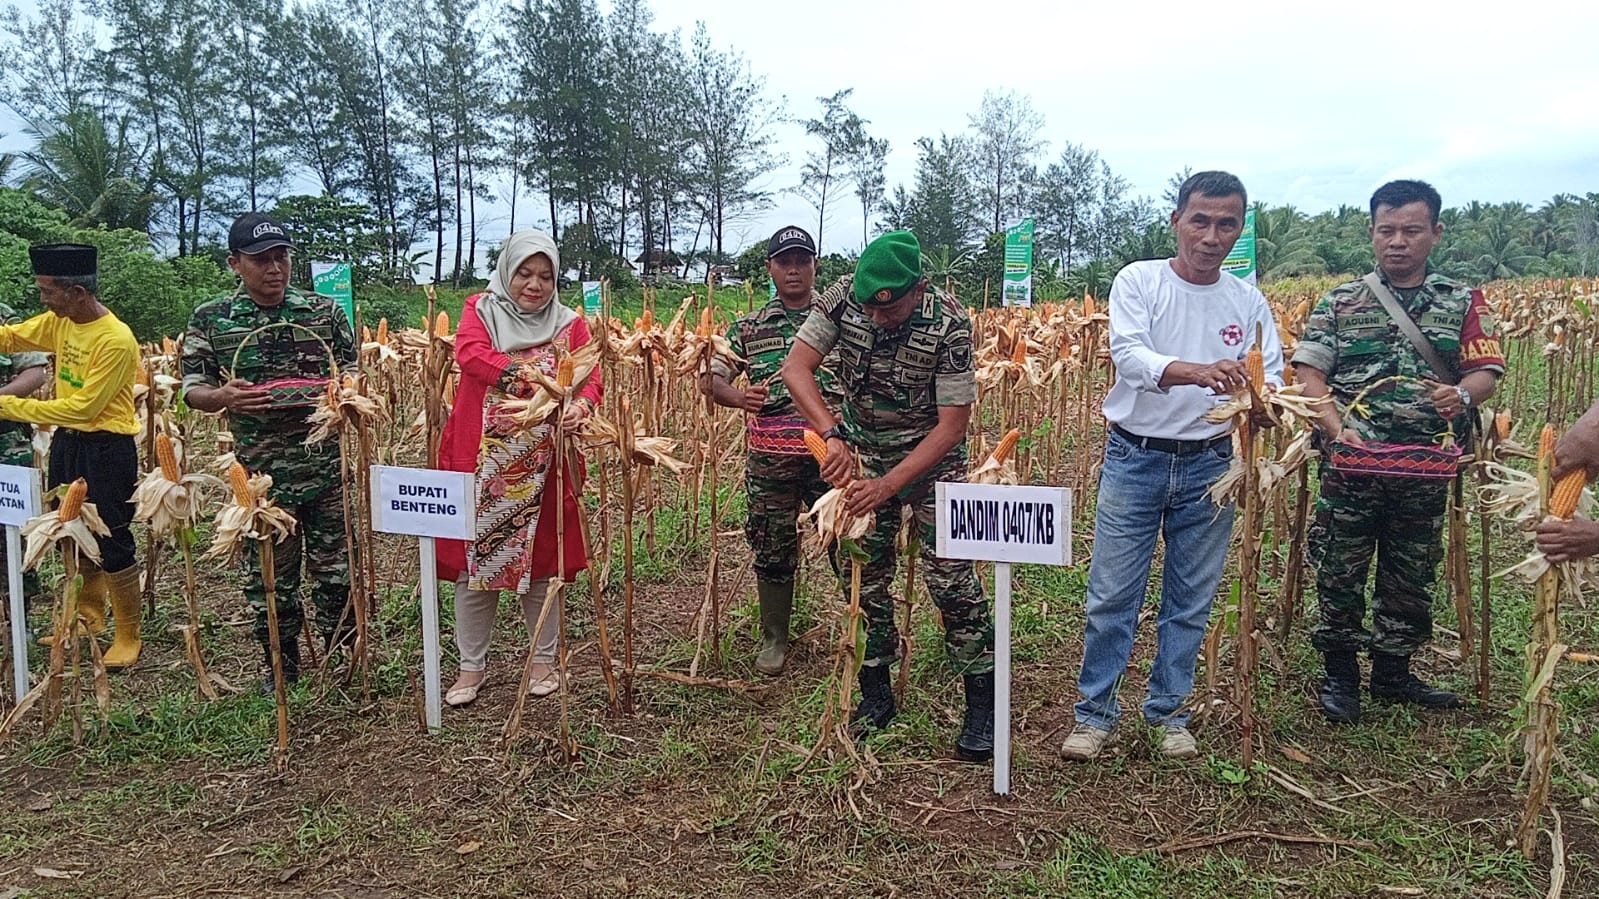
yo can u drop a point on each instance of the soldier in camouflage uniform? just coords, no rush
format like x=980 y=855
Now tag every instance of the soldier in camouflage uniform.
x=268 y=417
x=20 y=375
x=905 y=367
x=1350 y=342
x=780 y=475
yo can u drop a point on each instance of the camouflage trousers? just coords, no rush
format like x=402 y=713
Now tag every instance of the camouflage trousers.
x=318 y=544
x=1401 y=521
x=953 y=584
x=779 y=488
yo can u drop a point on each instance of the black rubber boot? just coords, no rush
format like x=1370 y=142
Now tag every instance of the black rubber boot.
x=877 y=707
x=291 y=665
x=777 y=606
x=976 y=742
x=1340 y=692
x=1391 y=680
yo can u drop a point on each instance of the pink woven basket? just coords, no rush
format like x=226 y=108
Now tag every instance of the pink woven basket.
x=296 y=391
x=778 y=435
x=1396 y=460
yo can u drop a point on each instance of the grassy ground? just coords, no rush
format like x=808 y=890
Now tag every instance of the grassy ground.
x=703 y=791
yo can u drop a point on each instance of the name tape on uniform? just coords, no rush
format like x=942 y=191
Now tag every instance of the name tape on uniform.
x=423 y=502
x=998 y=523
x=19 y=494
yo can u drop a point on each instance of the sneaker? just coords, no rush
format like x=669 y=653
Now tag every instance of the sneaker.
x=1177 y=743
x=1084 y=742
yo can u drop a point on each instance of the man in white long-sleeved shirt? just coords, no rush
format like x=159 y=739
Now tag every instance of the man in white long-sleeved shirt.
x=1179 y=329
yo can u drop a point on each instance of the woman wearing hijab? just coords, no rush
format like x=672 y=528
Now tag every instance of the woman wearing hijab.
x=515 y=327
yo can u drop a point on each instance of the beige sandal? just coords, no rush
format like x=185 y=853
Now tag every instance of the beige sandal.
x=545 y=685
x=458 y=696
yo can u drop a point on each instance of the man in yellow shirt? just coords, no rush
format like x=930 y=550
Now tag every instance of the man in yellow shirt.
x=92 y=412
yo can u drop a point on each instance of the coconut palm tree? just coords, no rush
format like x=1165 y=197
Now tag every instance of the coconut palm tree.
x=90 y=170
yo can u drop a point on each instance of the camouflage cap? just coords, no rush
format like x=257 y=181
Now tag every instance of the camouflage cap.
x=888 y=268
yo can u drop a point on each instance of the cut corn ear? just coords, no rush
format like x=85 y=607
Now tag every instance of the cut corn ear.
x=383 y=330
x=441 y=326
x=817 y=445
x=1007 y=444
x=1563 y=497
x=1255 y=365
x=563 y=372
x=72 y=501
x=239 y=479
x=1546 y=443
x=167 y=457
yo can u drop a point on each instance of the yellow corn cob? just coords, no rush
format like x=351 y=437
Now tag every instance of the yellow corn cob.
x=167 y=457
x=441 y=327
x=1019 y=354
x=648 y=321
x=72 y=502
x=707 y=322
x=383 y=330
x=1502 y=424
x=168 y=347
x=1088 y=306
x=366 y=334
x=817 y=446
x=1255 y=365
x=240 y=479
x=1546 y=443
x=1006 y=444
x=1563 y=498
x=563 y=373
x=141 y=375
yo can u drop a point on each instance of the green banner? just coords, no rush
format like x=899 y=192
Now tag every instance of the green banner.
x=336 y=280
x=592 y=296
x=1241 y=261
x=1018 y=288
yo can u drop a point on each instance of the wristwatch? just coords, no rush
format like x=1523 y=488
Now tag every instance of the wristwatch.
x=1465 y=396
x=837 y=430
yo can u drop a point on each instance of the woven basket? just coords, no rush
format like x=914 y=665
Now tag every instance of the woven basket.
x=778 y=435
x=291 y=392
x=1396 y=460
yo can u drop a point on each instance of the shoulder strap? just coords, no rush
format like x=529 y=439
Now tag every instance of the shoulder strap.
x=1407 y=326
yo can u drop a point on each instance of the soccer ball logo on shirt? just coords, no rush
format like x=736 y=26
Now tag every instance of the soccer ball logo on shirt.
x=1232 y=335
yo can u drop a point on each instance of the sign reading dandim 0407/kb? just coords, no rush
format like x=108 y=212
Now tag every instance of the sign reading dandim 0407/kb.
x=999 y=523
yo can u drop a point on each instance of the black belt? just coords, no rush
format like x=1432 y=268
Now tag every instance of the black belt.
x=92 y=436
x=1162 y=445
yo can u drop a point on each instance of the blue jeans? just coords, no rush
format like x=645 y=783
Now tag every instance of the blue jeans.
x=1142 y=493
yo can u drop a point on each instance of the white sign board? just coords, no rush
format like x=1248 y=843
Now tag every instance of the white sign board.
x=423 y=502
x=19 y=494
x=999 y=523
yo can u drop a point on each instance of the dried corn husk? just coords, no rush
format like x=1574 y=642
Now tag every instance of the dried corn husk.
x=259 y=518
x=833 y=522
x=44 y=532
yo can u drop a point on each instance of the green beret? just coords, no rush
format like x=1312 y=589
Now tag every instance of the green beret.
x=888 y=268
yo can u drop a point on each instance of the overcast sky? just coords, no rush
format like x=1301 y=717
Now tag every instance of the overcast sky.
x=1489 y=101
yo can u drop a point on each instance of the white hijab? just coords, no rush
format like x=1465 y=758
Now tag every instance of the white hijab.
x=511 y=328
